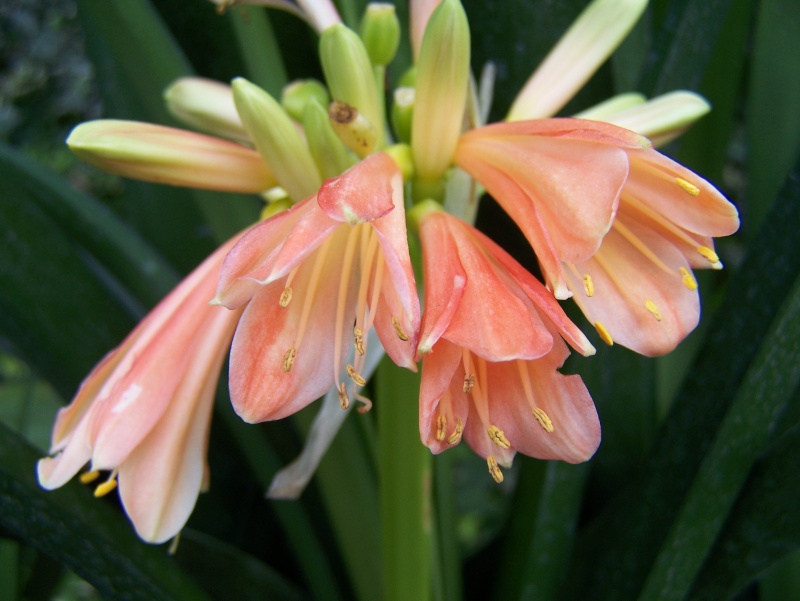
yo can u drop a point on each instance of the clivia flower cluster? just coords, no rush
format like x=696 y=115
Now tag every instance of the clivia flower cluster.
x=325 y=281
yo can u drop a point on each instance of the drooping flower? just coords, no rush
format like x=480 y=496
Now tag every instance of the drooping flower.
x=314 y=280
x=144 y=412
x=613 y=222
x=491 y=346
x=319 y=14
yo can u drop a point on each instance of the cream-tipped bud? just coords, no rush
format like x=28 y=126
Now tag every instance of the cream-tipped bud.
x=355 y=130
x=348 y=72
x=330 y=154
x=441 y=91
x=166 y=155
x=380 y=32
x=206 y=105
x=610 y=107
x=403 y=113
x=298 y=94
x=276 y=139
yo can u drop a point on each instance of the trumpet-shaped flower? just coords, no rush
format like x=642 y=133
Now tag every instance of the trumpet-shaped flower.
x=639 y=221
x=491 y=342
x=144 y=411
x=315 y=279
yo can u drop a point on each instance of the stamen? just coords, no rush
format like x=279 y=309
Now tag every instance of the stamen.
x=637 y=243
x=344 y=398
x=441 y=427
x=469 y=383
x=688 y=279
x=543 y=419
x=497 y=437
x=288 y=359
x=173 y=546
x=354 y=375
x=455 y=437
x=588 y=285
x=398 y=329
x=286 y=297
x=709 y=254
x=88 y=477
x=604 y=335
x=651 y=306
x=688 y=187
x=106 y=487
x=494 y=469
x=635 y=203
x=358 y=340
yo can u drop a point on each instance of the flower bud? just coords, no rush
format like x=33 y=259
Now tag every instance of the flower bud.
x=330 y=154
x=380 y=32
x=403 y=113
x=357 y=133
x=276 y=139
x=441 y=91
x=349 y=74
x=298 y=94
x=206 y=105
x=166 y=155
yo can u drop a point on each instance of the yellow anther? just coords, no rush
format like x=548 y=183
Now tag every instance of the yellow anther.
x=708 y=254
x=288 y=359
x=688 y=279
x=543 y=419
x=455 y=437
x=87 y=477
x=588 y=285
x=358 y=340
x=441 y=427
x=106 y=487
x=398 y=329
x=688 y=187
x=497 y=437
x=494 y=469
x=469 y=383
x=604 y=335
x=354 y=375
x=651 y=306
x=286 y=297
x=344 y=398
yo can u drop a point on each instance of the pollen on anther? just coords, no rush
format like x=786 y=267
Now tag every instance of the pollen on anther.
x=588 y=285
x=709 y=254
x=688 y=279
x=344 y=398
x=288 y=359
x=543 y=419
x=88 y=477
x=604 y=335
x=358 y=340
x=455 y=437
x=398 y=329
x=497 y=436
x=441 y=427
x=494 y=469
x=286 y=297
x=651 y=306
x=469 y=383
x=355 y=376
x=688 y=187
x=105 y=488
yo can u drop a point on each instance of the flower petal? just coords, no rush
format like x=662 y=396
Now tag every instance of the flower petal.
x=362 y=193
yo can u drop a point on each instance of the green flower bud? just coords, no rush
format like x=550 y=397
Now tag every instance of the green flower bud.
x=348 y=72
x=380 y=31
x=403 y=113
x=276 y=139
x=298 y=94
x=205 y=105
x=441 y=94
x=330 y=154
x=353 y=128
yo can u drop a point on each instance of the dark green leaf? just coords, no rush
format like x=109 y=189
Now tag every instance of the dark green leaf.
x=84 y=533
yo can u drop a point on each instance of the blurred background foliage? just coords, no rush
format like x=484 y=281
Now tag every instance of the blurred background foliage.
x=694 y=491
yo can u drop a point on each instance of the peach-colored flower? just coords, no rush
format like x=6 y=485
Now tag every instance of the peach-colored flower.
x=613 y=222
x=315 y=279
x=144 y=411
x=491 y=342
